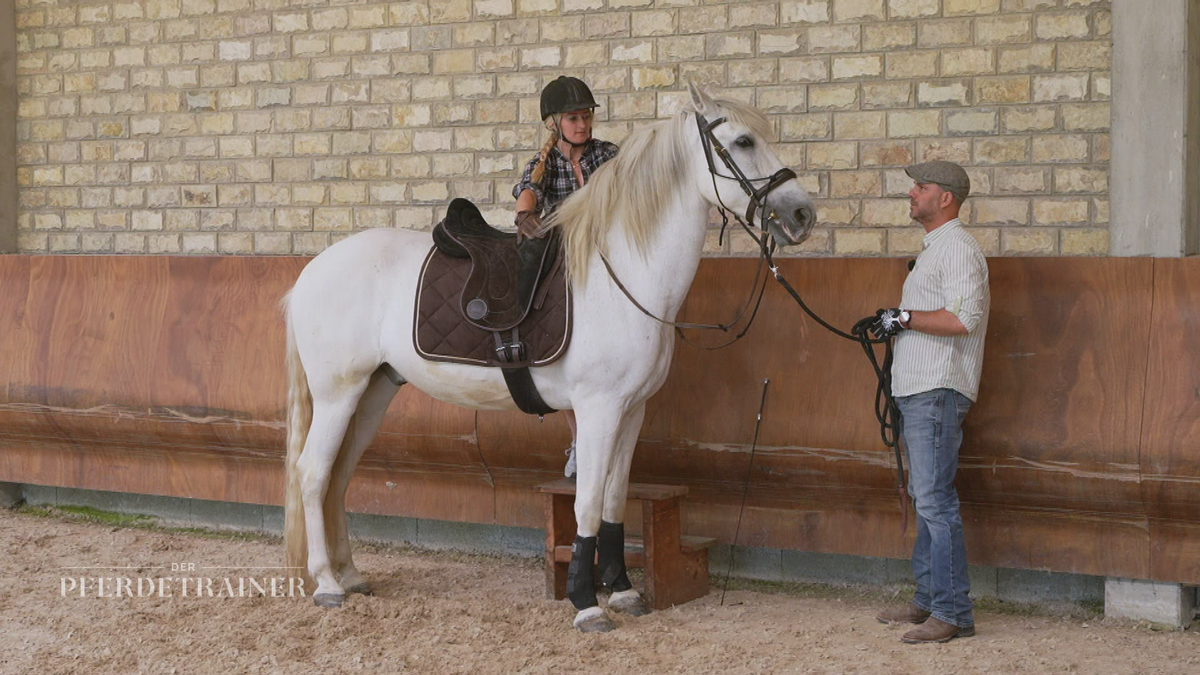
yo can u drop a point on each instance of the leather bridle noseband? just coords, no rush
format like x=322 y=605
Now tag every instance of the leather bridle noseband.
x=757 y=196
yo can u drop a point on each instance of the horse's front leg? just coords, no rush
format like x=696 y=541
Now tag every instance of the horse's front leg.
x=599 y=432
x=611 y=538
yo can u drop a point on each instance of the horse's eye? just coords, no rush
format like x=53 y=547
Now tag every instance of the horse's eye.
x=744 y=142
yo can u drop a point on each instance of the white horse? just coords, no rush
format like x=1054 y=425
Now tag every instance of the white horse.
x=350 y=327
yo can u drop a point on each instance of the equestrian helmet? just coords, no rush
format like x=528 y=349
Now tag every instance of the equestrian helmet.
x=566 y=94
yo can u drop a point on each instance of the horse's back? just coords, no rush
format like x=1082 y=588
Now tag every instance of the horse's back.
x=346 y=295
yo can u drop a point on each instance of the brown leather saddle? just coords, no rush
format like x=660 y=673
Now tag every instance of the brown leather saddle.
x=472 y=307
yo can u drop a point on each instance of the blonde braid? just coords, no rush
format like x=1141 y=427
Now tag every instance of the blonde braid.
x=539 y=171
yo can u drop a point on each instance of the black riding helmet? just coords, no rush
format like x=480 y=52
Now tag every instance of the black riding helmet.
x=566 y=94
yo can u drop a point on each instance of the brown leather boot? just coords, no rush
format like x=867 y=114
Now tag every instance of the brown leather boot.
x=909 y=613
x=935 y=630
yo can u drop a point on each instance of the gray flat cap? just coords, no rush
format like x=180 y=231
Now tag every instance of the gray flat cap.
x=947 y=175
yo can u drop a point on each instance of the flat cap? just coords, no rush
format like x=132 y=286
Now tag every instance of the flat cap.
x=947 y=175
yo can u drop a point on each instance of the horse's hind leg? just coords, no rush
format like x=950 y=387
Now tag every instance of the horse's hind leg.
x=332 y=411
x=363 y=426
x=610 y=544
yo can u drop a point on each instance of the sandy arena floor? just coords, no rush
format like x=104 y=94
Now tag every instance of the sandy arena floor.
x=456 y=613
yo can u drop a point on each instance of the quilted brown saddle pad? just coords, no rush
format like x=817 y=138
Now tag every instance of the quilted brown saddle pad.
x=442 y=333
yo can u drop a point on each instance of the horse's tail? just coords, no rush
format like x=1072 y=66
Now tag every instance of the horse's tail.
x=299 y=419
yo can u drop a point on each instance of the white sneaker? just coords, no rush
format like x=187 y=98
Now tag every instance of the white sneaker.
x=569 y=471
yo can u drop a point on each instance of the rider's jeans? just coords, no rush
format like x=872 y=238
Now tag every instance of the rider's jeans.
x=932 y=428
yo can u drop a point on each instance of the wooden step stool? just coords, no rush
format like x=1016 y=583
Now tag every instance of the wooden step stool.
x=676 y=567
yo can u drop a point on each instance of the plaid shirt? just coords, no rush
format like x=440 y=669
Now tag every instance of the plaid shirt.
x=559 y=180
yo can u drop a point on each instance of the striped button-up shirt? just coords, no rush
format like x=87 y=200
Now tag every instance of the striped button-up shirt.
x=950 y=273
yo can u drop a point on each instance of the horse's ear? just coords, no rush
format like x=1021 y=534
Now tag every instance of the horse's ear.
x=700 y=100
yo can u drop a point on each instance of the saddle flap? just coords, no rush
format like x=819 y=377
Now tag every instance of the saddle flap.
x=442 y=333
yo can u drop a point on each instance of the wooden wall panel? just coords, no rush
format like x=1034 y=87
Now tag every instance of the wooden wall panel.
x=164 y=376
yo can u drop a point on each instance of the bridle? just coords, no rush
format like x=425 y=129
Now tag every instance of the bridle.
x=758 y=204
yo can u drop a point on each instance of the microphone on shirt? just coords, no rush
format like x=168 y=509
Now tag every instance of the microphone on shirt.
x=911 y=265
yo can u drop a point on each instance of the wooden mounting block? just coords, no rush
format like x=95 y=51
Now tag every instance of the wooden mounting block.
x=676 y=567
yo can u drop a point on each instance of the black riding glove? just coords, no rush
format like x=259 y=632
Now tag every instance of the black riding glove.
x=887 y=323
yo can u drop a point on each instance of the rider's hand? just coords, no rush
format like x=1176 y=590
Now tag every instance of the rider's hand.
x=889 y=322
x=529 y=225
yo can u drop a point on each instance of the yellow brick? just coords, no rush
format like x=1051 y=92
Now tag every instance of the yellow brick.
x=806 y=127
x=1027 y=242
x=906 y=65
x=888 y=36
x=912 y=123
x=653 y=77
x=1088 y=241
x=845 y=11
x=1031 y=59
x=973 y=121
x=886 y=213
x=1073 y=180
x=823 y=39
x=971 y=7
x=1061 y=26
x=945 y=33
x=943 y=93
x=1060 y=211
x=1063 y=148
x=860 y=242
x=839 y=212
x=1002 y=150
x=850 y=67
x=1041 y=118
x=1087 y=117
x=854 y=184
x=859 y=125
x=1002 y=30
x=803 y=70
x=804 y=11
x=1085 y=56
x=832 y=156
x=886 y=94
x=912 y=9
x=999 y=211
x=1021 y=179
x=833 y=97
x=908 y=241
x=1002 y=90
x=886 y=153
x=976 y=61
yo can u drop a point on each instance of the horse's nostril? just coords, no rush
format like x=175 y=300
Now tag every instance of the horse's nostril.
x=803 y=217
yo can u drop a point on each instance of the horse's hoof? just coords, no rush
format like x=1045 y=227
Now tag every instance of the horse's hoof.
x=593 y=620
x=628 y=602
x=363 y=588
x=329 y=599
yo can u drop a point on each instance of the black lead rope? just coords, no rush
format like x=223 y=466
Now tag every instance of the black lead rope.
x=887 y=413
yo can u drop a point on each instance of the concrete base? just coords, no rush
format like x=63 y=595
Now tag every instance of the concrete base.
x=1159 y=602
x=11 y=494
x=1009 y=585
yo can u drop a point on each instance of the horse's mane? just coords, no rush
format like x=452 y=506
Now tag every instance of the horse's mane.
x=634 y=187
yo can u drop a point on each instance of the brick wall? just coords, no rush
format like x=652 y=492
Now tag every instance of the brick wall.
x=279 y=126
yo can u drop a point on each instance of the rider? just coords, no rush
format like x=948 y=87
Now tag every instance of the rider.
x=562 y=166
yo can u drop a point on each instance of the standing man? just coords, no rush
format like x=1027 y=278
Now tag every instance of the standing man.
x=939 y=329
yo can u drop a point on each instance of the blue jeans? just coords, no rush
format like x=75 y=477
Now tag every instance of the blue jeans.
x=932 y=426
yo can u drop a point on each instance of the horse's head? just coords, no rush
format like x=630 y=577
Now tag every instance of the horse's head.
x=742 y=173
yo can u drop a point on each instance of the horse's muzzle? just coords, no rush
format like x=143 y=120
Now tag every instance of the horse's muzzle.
x=794 y=224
